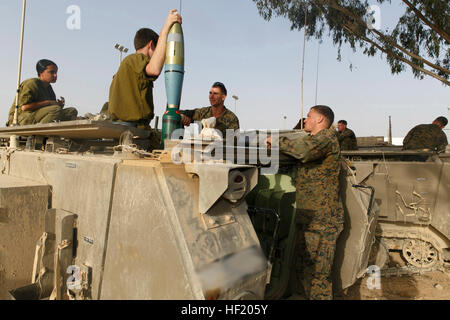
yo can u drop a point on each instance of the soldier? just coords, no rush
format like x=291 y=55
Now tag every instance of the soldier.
x=131 y=90
x=225 y=119
x=346 y=137
x=37 y=100
x=427 y=136
x=319 y=209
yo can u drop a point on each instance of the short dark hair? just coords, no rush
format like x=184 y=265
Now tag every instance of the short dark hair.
x=326 y=112
x=144 y=36
x=221 y=86
x=42 y=64
x=343 y=122
x=442 y=120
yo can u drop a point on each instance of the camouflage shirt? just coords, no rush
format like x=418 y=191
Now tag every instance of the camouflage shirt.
x=347 y=140
x=425 y=136
x=227 y=120
x=131 y=91
x=317 y=180
x=31 y=90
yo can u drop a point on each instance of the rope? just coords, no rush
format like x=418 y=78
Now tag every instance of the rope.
x=56 y=294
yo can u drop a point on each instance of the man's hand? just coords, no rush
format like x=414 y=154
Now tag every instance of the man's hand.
x=61 y=102
x=173 y=18
x=269 y=142
x=185 y=120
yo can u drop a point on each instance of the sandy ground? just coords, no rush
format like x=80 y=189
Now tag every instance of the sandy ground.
x=434 y=285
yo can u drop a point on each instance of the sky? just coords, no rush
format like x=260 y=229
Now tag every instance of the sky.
x=225 y=40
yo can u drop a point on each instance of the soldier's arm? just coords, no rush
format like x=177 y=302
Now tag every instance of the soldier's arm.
x=305 y=149
x=37 y=105
x=188 y=113
x=28 y=95
x=442 y=142
x=154 y=67
x=235 y=124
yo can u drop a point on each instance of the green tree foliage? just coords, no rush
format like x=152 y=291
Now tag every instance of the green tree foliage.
x=420 y=39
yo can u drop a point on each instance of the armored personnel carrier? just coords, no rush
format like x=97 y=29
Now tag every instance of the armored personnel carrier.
x=120 y=223
x=412 y=192
x=86 y=213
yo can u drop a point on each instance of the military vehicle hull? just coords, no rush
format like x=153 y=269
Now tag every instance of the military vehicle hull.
x=411 y=189
x=121 y=226
x=107 y=220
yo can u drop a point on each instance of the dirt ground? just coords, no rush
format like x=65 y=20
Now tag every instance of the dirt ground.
x=434 y=285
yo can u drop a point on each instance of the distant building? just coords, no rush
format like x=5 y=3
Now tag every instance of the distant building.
x=396 y=141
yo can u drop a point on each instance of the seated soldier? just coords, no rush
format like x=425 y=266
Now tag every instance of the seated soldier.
x=225 y=119
x=427 y=136
x=37 y=102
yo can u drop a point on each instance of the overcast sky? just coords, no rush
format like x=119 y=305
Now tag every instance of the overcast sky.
x=227 y=41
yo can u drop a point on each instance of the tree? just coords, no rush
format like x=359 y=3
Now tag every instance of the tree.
x=420 y=39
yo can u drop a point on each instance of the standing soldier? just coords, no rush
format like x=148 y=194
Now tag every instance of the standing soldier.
x=319 y=207
x=427 y=136
x=346 y=137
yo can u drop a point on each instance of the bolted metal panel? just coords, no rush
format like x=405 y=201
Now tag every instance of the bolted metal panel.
x=23 y=204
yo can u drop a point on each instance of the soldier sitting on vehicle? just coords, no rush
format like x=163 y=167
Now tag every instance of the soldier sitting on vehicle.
x=225 y=119
x=346 y=137
x=427 y=136
x=37 y=100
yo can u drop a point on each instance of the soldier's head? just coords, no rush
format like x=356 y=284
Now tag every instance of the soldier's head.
x=47 y=71
x=441 y=122
x=217 y=94
x=319 y=118
x=145 y=41
x=342 y=125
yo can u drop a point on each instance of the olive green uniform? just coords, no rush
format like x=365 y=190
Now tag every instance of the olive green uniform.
x=347 y=140
x=319 y=208
x=425 y=136
x=131 y=91
x=227 y=120
x=34 y=90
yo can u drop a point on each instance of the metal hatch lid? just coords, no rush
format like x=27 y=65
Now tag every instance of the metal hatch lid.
x=78 y=129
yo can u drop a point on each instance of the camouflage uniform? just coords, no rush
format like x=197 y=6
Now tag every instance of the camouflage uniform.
x=227 y=120
x=425 y=136
x=347 y=140
x=319 y=208
x=131 y=92
x=34 y=90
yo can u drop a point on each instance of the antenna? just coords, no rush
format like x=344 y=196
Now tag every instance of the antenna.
x=303 y=64
x=317 y=72
x=19 y=72
x=181 y=2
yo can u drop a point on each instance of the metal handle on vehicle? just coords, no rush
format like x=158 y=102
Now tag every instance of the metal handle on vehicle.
x=253 y=209
x=372 y=195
